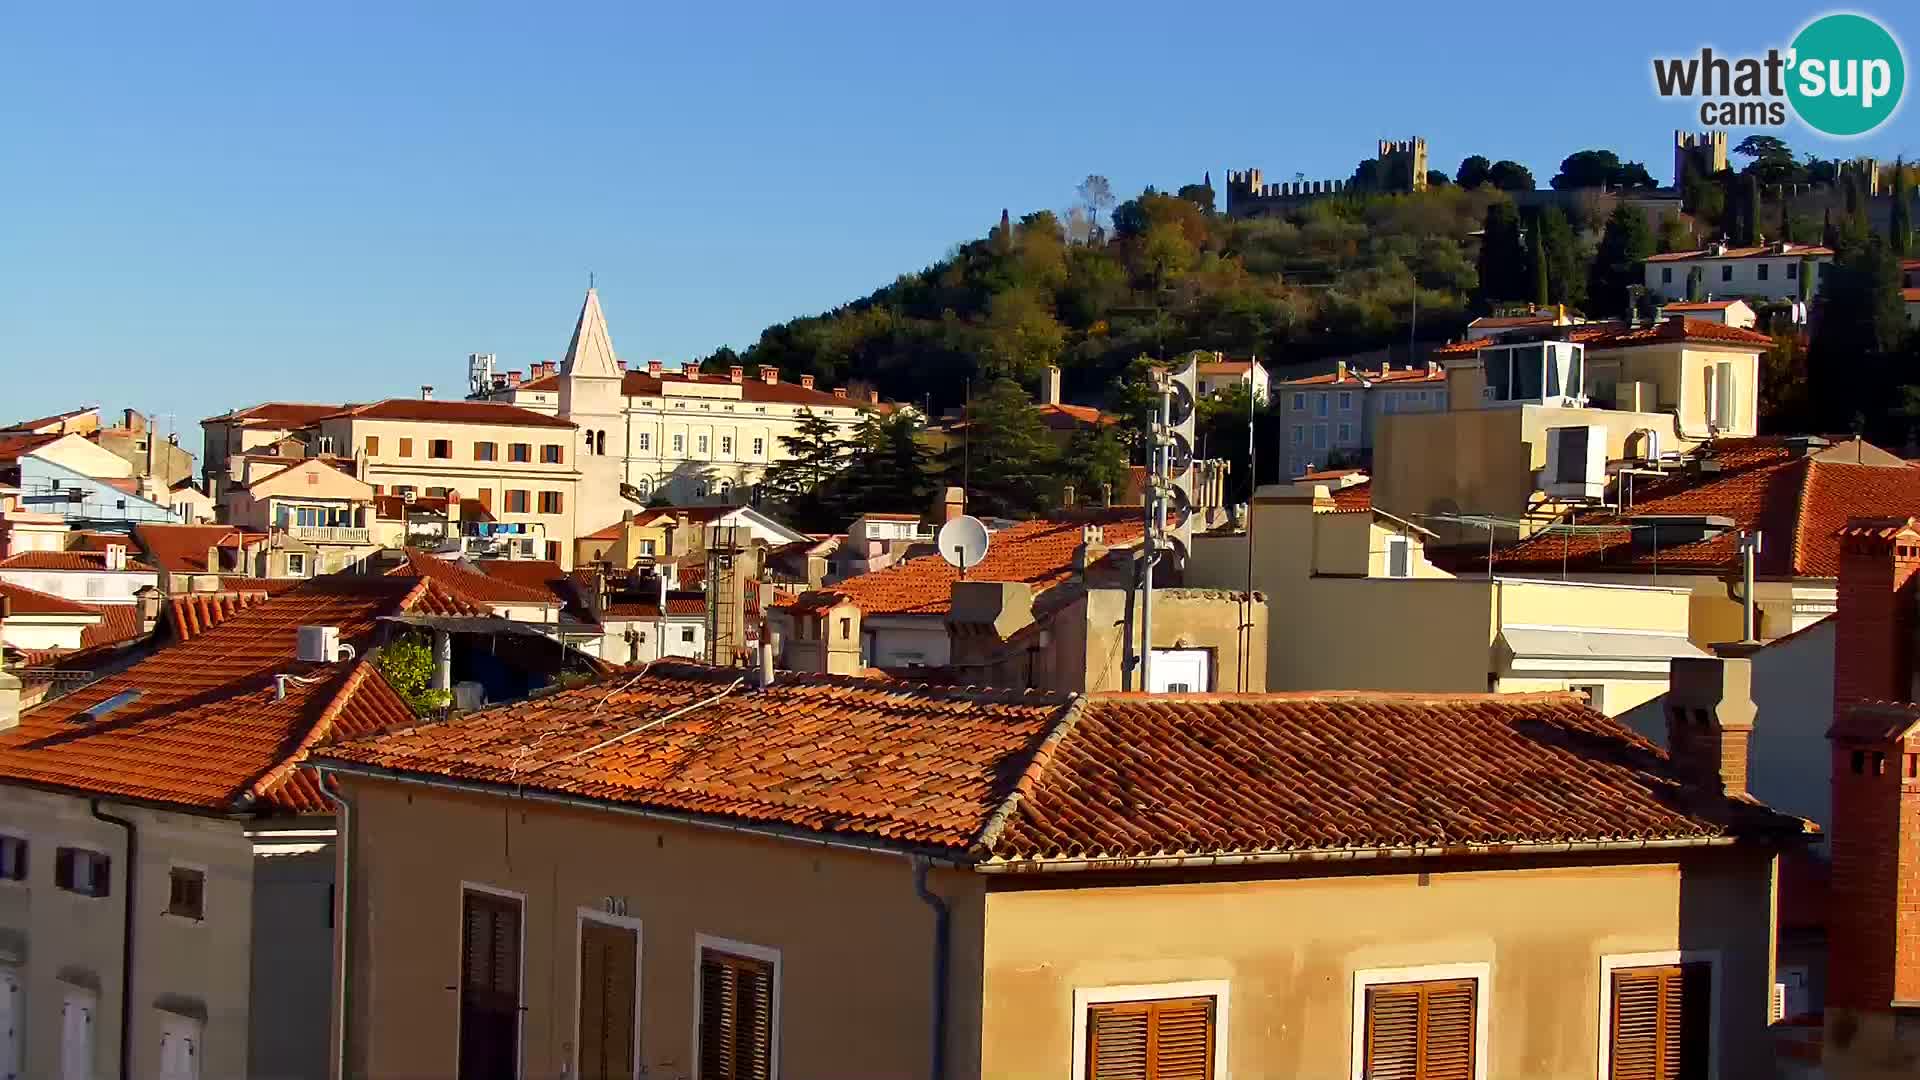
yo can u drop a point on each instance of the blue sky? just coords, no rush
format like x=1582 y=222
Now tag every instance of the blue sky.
x=212 y=205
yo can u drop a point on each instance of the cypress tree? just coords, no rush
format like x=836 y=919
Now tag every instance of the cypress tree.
x=1537 y=253
x=1902 y=225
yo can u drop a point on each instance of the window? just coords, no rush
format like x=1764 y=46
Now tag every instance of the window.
x=187 y=893
x=1399 y=557
x=1319 y=436
x=552 y=454
x=436 y=492
x=700 y=445
x=553 y=551
x=1726 y=272
x=519 y=451
x=296 y=564
x=1170 y=1038
x=13 y=858
x=1319 y=404
x=326 y=444
x=759 y=447
x=1761 y=271
x=646 y=547
x=1666 y=275
x=1420 y=1030
x=81 y=871
x=440 y=448
x=489 y=985
x=486 y=451
x=1300 y=402
x=550 y=502
x=516 y=501
x=1346 y=401
x=739 y=1013
x=686 y=635
x=645 y=441
x=726 y=445
x=1596 y=694
x=679 y=444
x=1346 y=434
x=1299 y=434
x=1793 y=271
x=1659 y=1021
x=373 y=445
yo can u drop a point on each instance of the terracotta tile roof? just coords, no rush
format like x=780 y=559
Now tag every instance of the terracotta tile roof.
x=642 y=384
x=206 y=732
x=118 y=623
x=1911 y=296
x=284 y=414
x=1060 y=417
x=24 y=601
x=913 y=765
x=1371 y=377
x=48 y=421
x=1510 y=322
x=1138 y=776
x=182 y=549
x=1354 y=498
x=1598 y=337
x=449 y=412
x=544 y=382
x=1224 y=367
x=1797 y=503
x=469 y=584
x=1754 y=252
x=1039 y=553
x=680 y=603
x=996 y=776
x=13 y=445
x=249 y=583
x=68 y=560
x=534 y=575
x=1698 y=305
x=190 y=615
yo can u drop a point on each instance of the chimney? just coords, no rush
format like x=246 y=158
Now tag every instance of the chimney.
x=1341 y=372
x=873 y=397
x=213 y=558
x=690 y=369
x=1873 y=932
x=1066 y=496
x=953 y=504
x=1710 y=713
x=840 y=392
x=736 y=373
x=1092 y=548
x=1050 y=386
x=769 y=373
x=654 y=368
x=514 y=378
x=806 y=382
x=150 y=601
x=426 y=393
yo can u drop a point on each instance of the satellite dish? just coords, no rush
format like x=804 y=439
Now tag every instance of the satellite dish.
x=963 y=542
x=1179 y=403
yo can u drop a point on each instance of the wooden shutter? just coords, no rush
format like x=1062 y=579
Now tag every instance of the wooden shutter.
x=736 y=1017
x=607 y=991
x=486 y=497
x=1421 y=1031
x=1662 y=1019
x=1151 y=1040
x=489 y=988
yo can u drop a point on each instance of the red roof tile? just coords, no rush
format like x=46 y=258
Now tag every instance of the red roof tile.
x=1754 y=252
x=449 y=412
x=1797 y=503
x=118 y=623
x=1372 y=377
x=471 y=585
x=59 y=419
x=1005 y=775
x=95 y=561
x=13 y=445
x=182 y=549
x=1039 y=553
x=24 y=601
x=642 y=384
x=534 y=575
x=1354 y=498
x=206 y=731
x=284 y=414
x=680 y=602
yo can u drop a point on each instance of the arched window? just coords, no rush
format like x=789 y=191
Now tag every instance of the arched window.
x=726 y=490
x=700 y=489
x=644 y=486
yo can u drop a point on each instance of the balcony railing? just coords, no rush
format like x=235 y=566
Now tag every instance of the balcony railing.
x=330 y=534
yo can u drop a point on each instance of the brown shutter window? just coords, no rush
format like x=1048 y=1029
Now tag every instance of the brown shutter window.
x=1421 y=1030
x=489 y=987
x=1170 y=1039
x=736 y=1017
x=486 y=498
x=1662 y=1020
x=373 y=445
x=406 y=447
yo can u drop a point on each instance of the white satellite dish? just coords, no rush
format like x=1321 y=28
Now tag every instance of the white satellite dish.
x=963 y=542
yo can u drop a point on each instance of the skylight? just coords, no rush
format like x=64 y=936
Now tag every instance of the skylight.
x=124 y=697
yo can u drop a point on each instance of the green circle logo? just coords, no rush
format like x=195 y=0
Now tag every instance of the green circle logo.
x=1847 y=75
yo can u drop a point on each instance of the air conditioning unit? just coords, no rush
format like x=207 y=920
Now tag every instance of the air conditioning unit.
x=1576 y=462
x=319 y=644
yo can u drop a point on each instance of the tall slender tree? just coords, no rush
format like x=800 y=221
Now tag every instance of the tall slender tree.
x=1624 y=246
x=1900 y=230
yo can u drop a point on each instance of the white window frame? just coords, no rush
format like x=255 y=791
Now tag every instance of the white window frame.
x=582 y=916
x=1481 y=973
x=1086 y=996
x=646 y=442
x=1596 y=694
x=302 y=571
x=1611 y=962
x=763 y=953
x=679 y=444
x=460 y=950
x=1344 y=434
x=702 y=442
x=759 y=447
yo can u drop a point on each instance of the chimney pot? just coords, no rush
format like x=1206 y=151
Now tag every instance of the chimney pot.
x=840 y=391
x=426 y=393
x=514 y=378
x=690 y=368
x=1341 y=372
x=873 y=397
x=654 y=368
x=1050 y=393
x=1710 y=713
x=769 y=373
x=737 y=373
x=806 y=382
x=953 y=504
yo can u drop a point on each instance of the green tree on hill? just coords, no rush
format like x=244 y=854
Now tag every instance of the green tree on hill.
x=1004 y=457
x=1503 y=257
x=1510 y=176
x=1617 y=263
x=1473 y=171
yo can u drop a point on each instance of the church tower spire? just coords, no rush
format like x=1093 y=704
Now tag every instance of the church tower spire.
x=590 y=354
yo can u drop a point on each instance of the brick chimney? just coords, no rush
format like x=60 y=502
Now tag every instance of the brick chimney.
x=769 y=373
x=1050 y=386
x=654 y=367
x=873 y=397
x=1873 y=933
x=806 y=382
x=953 y=504
x=840 y=392
x=736 y=373
x=514 y=378
x=1710 y=713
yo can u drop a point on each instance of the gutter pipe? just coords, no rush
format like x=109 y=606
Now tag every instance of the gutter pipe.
x=126 y=933
x=942 y=953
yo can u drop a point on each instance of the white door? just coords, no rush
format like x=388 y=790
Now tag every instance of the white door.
x=179 y=1048
x=12 y=1012
x=1181 y=671
x=77 y=1023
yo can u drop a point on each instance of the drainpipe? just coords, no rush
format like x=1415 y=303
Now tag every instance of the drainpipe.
x=942 y=951
x=126 y=934
x=343 y=836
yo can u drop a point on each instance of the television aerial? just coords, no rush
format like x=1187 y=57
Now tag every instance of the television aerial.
x=963 y=542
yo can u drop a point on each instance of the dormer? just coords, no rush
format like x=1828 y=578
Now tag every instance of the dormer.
x=1533 y=373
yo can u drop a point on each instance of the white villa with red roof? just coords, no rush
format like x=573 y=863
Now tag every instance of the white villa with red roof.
x=1760 y=272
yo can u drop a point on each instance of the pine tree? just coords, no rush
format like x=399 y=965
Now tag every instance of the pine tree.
x=1004 y=459
x=889 y=470
x=1624 y=246
x=800 y=485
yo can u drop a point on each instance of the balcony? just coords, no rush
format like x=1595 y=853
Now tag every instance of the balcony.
x=330 y=534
